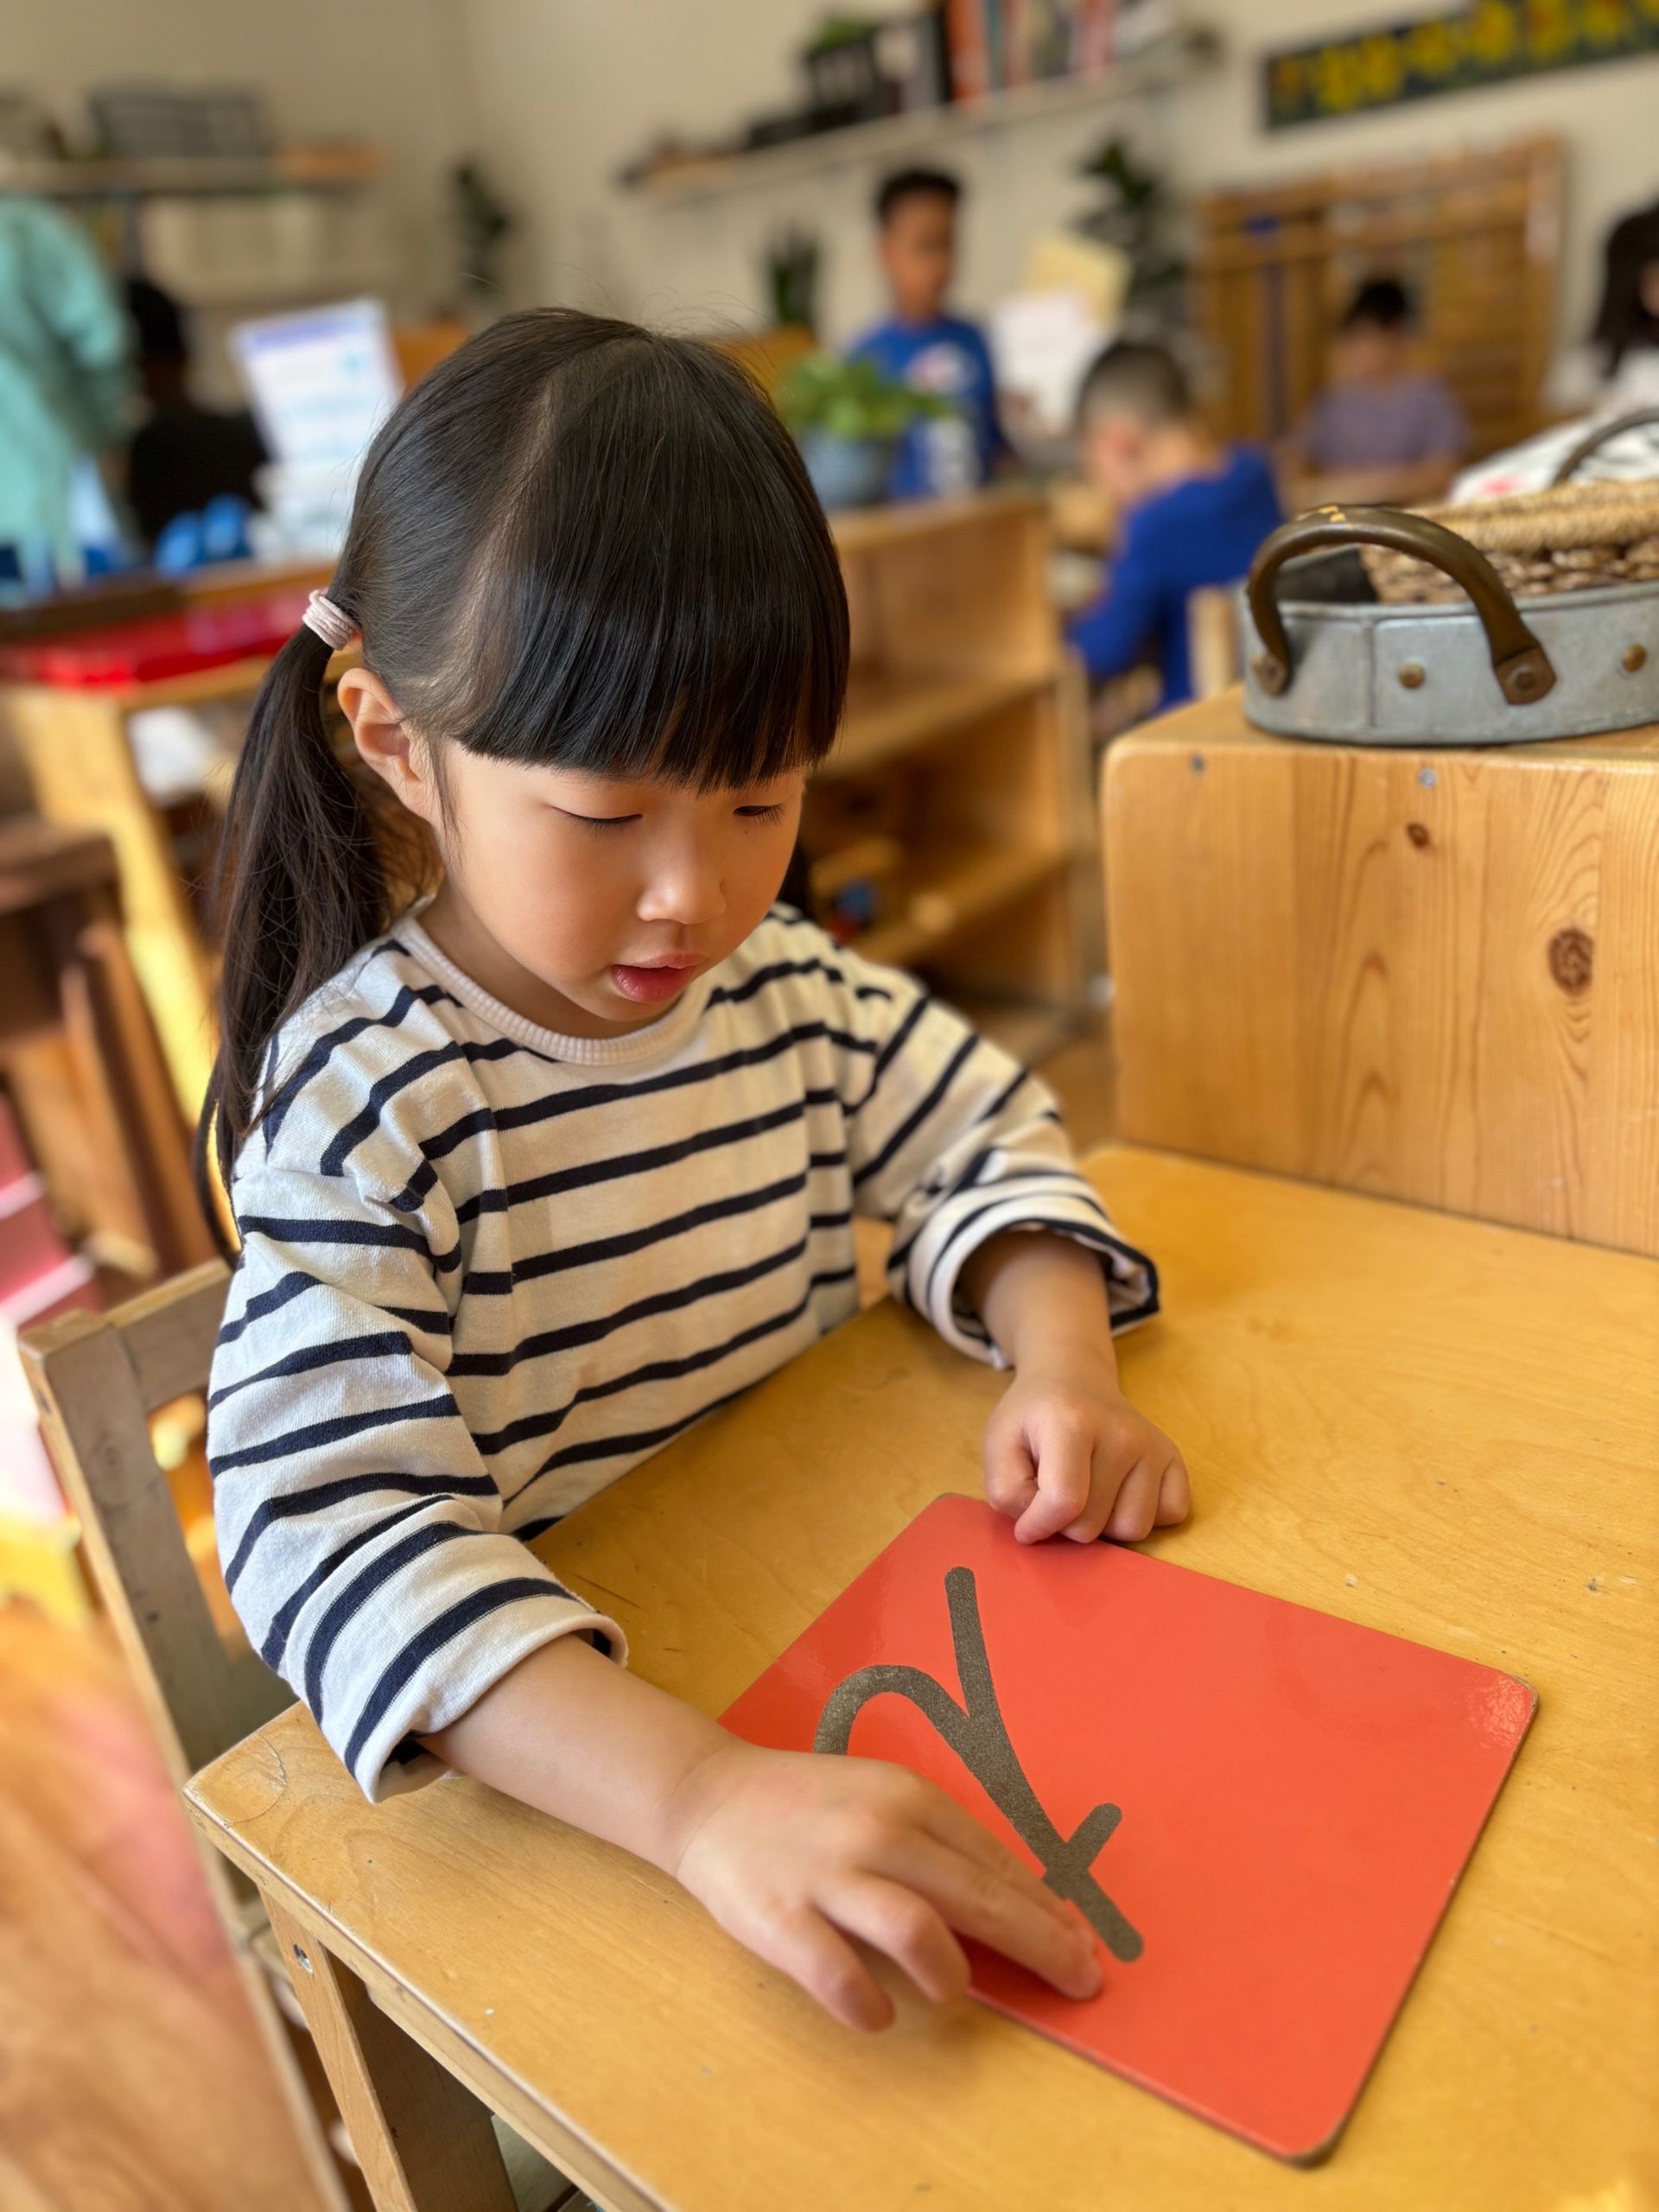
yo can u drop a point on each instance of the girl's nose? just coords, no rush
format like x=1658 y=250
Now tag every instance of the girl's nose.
x=687 y=893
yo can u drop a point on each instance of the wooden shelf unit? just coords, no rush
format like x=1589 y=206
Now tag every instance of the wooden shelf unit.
x=964 y=740
x=323 y=167
x=889 y=137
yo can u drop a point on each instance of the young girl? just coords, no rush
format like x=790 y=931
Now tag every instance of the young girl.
x=532 y=1176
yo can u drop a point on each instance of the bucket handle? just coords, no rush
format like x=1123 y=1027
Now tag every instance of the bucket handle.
x=1604 y=433
x=1519 y=662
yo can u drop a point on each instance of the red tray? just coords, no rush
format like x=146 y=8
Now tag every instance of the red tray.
x=162 y=646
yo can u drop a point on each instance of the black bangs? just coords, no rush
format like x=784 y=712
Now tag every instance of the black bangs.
x=656 y=592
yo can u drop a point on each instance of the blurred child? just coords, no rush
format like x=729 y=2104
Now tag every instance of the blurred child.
x=1192 y=513
x=923 y=345
x=1387 y=428
x=185 y=456
x=65 y=380
x=1614 y=373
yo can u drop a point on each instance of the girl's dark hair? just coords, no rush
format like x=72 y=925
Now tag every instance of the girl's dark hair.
x=1380 y=303
x=1624 y=320
x=577 y=543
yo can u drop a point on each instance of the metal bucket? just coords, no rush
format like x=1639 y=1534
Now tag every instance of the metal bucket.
x=1323 y=666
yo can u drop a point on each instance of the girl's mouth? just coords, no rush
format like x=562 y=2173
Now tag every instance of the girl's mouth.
x=662 y=979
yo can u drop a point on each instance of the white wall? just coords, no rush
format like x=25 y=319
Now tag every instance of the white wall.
x=556 y=94
x=569 y=90
x=389 y=70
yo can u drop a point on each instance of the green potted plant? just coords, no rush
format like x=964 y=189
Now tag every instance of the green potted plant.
x=847 y=418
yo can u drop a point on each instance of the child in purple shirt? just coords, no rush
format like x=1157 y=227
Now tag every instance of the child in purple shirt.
x=1397 y=430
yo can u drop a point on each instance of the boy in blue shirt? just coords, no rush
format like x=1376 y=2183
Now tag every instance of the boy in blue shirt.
x=922 y=346
x=1192 y=513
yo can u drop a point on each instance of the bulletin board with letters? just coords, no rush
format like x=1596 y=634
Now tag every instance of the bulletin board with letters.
x=1456 y=51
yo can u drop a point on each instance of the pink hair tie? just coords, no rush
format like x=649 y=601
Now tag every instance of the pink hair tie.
x=332 y=624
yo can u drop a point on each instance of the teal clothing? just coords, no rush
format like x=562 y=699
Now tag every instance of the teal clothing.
x=64 y=377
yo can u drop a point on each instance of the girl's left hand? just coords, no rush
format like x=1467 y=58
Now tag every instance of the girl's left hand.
x=1067 y=1454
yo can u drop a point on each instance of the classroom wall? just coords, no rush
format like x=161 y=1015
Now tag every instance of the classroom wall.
x=1604 y=115
x=391 y=71
x=557 y=94
x=570 y=91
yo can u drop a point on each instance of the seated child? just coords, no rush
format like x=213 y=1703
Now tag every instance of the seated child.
x=923 y=345
x=1387 y=428
x=535 y=1173
x=1193 y=512
x=1614 y=374
x=185 y=456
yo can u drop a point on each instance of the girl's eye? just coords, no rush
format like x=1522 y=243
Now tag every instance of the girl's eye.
x=761 y=813
x=598 y=821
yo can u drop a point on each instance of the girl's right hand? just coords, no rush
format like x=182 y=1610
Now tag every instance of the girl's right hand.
x=794 y=1853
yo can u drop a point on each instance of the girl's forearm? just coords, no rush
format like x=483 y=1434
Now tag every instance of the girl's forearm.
x=1042 y=1297
x=571 y=1733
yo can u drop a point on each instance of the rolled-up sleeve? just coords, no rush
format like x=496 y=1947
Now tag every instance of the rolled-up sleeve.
x=360 y=1531
x=953 y=1143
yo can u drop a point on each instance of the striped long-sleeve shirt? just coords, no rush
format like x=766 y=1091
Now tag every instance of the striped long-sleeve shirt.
x=485 y=1269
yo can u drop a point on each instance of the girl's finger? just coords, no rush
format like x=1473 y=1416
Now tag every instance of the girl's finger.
x=803 y=1945
x=906 y=1926
x=961 y=1832
x=993 y=1910
x=1010 y=1477
x=1131 y=1516
x=1103 y=1496
x=1174 y=1494
x=1062 y=1461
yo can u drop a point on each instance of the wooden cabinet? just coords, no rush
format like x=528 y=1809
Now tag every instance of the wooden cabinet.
x=961 y=765
x=1430 y=975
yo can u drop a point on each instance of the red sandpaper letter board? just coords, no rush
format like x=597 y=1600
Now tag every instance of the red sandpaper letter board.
x=1261 y=1811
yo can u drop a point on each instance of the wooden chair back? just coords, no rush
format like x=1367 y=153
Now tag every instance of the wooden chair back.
x=1214 y=647
x=97 y=1379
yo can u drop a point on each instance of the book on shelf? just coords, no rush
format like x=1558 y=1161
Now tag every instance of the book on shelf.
x=996 y=46
x=966 y=34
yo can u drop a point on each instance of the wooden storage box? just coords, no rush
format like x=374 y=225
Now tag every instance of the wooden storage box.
x=1430 y=975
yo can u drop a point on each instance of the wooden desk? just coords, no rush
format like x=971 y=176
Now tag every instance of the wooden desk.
x=1434 y=1427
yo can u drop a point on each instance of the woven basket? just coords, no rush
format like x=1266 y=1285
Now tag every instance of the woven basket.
x=1571 y=537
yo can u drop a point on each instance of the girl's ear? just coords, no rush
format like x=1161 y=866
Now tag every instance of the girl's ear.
x=378 y=732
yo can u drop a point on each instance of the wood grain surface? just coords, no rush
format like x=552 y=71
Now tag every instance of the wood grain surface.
x=1431 y=1426
x=1431 y=974
x=132 y=2078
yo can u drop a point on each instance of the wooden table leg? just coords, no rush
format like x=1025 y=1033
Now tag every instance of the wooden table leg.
x=423 y=2140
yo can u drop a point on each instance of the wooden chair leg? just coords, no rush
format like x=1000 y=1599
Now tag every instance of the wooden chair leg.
x=423 y=2140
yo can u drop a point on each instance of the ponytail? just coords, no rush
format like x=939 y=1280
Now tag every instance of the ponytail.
x=300 y=889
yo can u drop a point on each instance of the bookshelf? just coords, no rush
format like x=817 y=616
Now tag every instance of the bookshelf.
x=964 y=751
x=889 y=137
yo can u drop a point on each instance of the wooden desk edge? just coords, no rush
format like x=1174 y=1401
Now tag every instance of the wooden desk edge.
x=546 y=2130
x=1221 y=722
